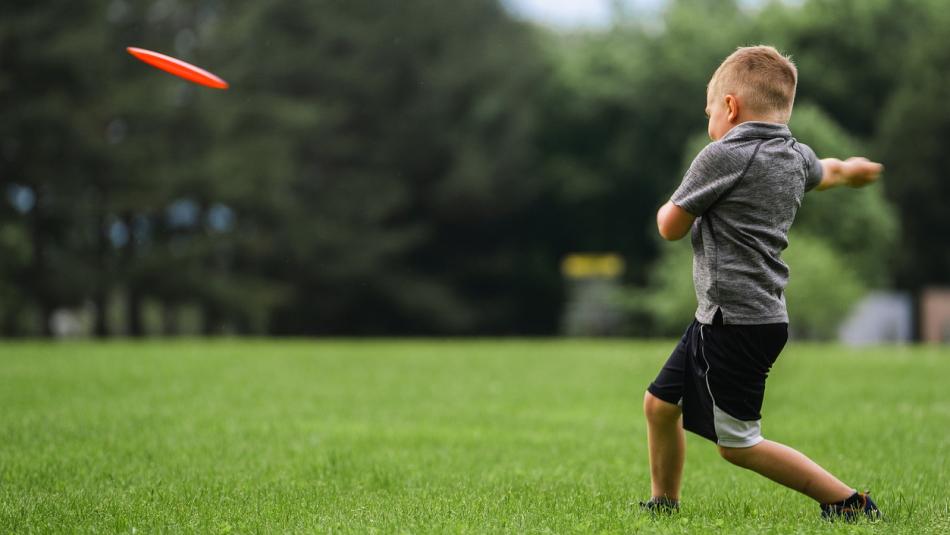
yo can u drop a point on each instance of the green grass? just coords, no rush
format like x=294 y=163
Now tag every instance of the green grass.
x=418 y=436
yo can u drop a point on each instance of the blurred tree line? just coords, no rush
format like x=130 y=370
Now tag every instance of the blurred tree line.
x=421 y=167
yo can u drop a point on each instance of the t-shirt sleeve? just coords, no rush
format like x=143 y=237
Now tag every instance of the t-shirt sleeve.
x=813 y=169
x=714 y=171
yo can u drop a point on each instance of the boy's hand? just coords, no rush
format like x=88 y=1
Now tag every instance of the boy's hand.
x=860 y=172
x=855 y=172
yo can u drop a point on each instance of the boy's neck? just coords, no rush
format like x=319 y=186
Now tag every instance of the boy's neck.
x=768 y=120
x=762 y=121
x=743 y=118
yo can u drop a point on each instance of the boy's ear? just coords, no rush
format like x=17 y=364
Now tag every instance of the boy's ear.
x=732 y=108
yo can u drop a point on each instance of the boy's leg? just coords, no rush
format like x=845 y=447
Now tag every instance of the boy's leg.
x=667 y=445
x=791 y=468
x=666 y=436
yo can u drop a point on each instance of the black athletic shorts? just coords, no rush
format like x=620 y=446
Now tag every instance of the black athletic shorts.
x=717 y=375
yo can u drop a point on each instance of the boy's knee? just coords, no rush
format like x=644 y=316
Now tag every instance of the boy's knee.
x=736 y=456
x=659 y=411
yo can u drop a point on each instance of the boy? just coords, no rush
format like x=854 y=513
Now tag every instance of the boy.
x=739 y=198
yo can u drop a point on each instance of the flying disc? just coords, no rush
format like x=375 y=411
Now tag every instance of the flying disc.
x=178 y=68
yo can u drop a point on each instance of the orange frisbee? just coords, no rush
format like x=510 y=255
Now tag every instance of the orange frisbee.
x=178 y=68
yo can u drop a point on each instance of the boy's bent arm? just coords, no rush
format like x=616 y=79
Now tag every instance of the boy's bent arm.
x=855 y=172
x=673 y=222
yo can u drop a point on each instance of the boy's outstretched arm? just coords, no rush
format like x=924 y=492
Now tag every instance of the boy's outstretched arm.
x=855 y=172
x=673 y=222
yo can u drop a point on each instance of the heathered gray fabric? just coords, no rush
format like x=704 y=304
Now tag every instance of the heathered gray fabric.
x=745 y=190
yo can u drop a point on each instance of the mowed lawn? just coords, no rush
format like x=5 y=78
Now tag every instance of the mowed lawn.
x=262 y=436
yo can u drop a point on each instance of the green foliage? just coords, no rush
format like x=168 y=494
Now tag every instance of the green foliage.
x=860 y=225
x=15 y=251
x=395 y=177
x=914 y=128
x=668 y=301
x=47 y=147
x=823 y=286
x=616 y=116
x=852 y=73
x=422 y=167
x=372 y=164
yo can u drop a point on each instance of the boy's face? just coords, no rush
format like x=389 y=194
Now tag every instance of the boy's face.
x=720 y=115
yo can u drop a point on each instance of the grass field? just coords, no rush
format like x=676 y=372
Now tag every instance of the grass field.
x=418 y=436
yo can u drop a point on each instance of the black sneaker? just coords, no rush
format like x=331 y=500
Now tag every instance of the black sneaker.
x=661 y=505
x=850 y=510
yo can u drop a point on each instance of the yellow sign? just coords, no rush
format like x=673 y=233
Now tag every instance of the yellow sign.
x=586 y=266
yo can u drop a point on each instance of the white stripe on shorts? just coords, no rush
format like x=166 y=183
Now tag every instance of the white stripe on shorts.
x=734 y=433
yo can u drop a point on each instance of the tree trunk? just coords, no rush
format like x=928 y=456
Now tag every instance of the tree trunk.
x=170 y=323
x=211 y=320
x=101 y=302
x=133 y=310
x=46 y=319
x=100 y=297
x=133 y=297
x=38 y=271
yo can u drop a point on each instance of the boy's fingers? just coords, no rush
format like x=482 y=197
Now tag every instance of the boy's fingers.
x=863 y=171
x=871 y=168
x=864 y=165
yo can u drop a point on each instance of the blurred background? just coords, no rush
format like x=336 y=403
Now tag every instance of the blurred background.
x=422 y=167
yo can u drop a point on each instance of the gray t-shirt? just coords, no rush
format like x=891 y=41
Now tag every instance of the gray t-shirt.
x=745 y=190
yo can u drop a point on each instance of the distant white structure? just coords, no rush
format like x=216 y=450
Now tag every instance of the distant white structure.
x=68 y=323
x=879 y=318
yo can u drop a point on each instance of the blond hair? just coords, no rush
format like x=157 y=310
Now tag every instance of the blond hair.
x=761 y=77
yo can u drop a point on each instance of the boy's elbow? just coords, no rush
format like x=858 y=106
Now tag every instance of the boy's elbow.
x=670 y=234
x=672 y=222
x=665 y=231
